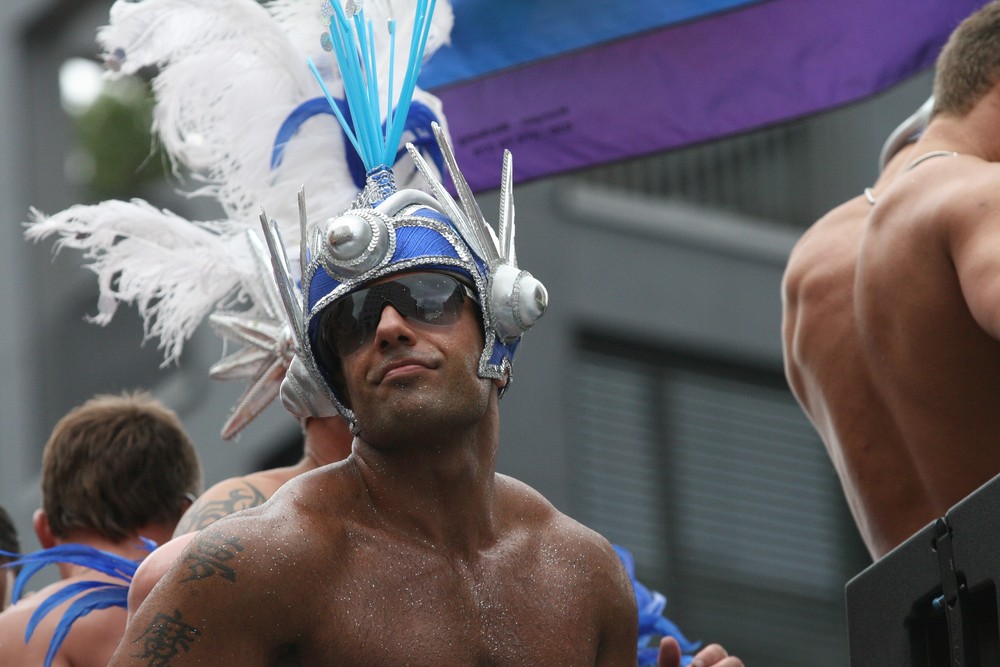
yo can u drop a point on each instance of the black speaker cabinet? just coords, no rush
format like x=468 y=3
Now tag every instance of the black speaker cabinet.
x=932 y=601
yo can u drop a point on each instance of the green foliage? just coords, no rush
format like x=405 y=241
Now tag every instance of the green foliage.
x=115 y=138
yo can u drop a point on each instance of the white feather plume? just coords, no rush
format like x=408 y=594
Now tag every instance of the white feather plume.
x=173 y=270
x=228 y=77
x=228 y=74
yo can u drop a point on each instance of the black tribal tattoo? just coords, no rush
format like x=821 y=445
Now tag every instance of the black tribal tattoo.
x=165 y=638
x=208 y=555
x=205 y=513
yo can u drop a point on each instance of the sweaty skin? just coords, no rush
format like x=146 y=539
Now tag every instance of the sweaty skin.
x=327 y=440
x=256 y=588
x=892 y=331
x=411 y=551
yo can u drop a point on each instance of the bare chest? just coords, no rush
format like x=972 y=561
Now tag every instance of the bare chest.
x=408 y=608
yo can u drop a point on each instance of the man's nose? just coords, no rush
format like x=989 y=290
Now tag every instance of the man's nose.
x=392 y=328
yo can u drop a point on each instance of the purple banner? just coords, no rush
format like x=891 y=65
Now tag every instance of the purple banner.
x=533 y=30
x=684 y=84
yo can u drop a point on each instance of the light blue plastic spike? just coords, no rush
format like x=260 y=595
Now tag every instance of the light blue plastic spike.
x=422 y=28
x=392 y=69
x=353 y=46
x=335 y=107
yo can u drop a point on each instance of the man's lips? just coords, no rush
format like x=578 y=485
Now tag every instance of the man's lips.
x=400 y=367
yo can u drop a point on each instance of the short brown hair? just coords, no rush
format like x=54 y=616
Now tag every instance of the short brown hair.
x=969 y=64
x=116 y=464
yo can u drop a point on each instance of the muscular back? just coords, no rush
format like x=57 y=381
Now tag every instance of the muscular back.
x=891 y=341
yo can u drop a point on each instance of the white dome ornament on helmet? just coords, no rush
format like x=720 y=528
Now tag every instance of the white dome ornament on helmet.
x=516 y=299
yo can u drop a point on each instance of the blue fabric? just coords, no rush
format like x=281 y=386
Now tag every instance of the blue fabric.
x=93 y=595
x=652 y=623
x=490 y=36
x=418 y=123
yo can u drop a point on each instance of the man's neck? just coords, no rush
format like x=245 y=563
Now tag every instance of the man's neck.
x=130 y=548
x=971 y=134
x=440 y=492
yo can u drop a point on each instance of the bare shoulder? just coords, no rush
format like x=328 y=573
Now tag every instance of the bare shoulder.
x=152 y=569
x=280 y=532
x=524 y=505
x=832 y=241
x=571 y=567
x=816 y=289
x=557 y=535
x=945 y=194
x=246 y=588
x=225 y=598
x=973 y=197
x=309 y=501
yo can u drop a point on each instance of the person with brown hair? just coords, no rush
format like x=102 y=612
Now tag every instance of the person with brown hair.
x=114 y=470
x=892 y=309
x=8 y=543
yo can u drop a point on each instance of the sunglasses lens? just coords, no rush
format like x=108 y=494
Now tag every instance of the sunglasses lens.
x=428 y=298
x=431 y=299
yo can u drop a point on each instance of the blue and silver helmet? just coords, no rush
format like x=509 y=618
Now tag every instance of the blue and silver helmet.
x=390 y=231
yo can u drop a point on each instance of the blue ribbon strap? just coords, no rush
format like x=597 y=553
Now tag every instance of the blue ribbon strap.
x=652 y=622
x=93 y=595
x=418 y=123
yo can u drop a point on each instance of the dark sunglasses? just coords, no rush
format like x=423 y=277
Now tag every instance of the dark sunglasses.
x=350 y=321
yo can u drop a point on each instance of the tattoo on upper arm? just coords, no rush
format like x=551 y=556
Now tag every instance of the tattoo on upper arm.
x=209 y=554
x=165 y=638
x=205 y=513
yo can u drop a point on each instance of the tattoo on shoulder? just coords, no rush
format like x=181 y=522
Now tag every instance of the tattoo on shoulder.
x=210 y=555
x=205 y=513
x=165 y=638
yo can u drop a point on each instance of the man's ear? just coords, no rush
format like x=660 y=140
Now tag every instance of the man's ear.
x=189 y=500
x=43 y=531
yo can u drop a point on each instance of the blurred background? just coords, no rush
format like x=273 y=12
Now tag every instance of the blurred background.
x=650 y=402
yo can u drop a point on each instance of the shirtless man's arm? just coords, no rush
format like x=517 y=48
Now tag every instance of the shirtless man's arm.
x=209 y=610
x=620 y=618
x=224 y=498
